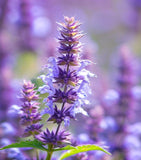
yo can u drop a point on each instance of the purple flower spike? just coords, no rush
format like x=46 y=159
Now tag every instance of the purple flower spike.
x=126 y=84
x=25 y=25
x=67 y=82
x=124 y=114
x=30 y=116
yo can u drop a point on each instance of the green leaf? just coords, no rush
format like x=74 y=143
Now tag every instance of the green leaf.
x=64 y=148
x=25 y=144
x=82 y=148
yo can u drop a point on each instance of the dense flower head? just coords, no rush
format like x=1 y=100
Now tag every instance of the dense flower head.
x=58 y=116
x=68 y=59
x=30 y=116
x=69 y=40
x=58 y=139
x=32 y=129
x=67 y=77
x=61 y=96
x=28 y=92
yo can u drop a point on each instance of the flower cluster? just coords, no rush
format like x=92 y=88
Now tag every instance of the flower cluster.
x=125 y=107
x=25 y=25
x=51 y=138
x=30 y=116
x=67 y=80
x=126 y=80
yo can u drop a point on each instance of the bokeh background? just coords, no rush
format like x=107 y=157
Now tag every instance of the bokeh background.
x=28 y=36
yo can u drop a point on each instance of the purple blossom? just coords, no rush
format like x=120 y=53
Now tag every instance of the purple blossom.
x=137 y=92
x=108 y=123
x=77 y=110
x=111 y=97
x=53 y=67
x=7 y=129
x=135 y=154
x=4 y=142
x=68 y=97
x=32 y=129
x=58 y=116
x=14 y=111
x=135 y=129
x=132 y=142
x=68 y=59
x=30 y=116
x=15 y=153
x=67 y=120
x=83 y=138
x=48 y=137
x=84 y=63
x=49 y=110
x=67 y=77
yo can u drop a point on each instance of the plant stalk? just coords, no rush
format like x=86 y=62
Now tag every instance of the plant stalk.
x=49 y=155
x=49 y=152
x=37 y=154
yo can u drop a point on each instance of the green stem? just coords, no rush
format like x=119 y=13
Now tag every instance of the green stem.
x=37 y=154
x=49 y=155
x=36 y=151
x=49 y=152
